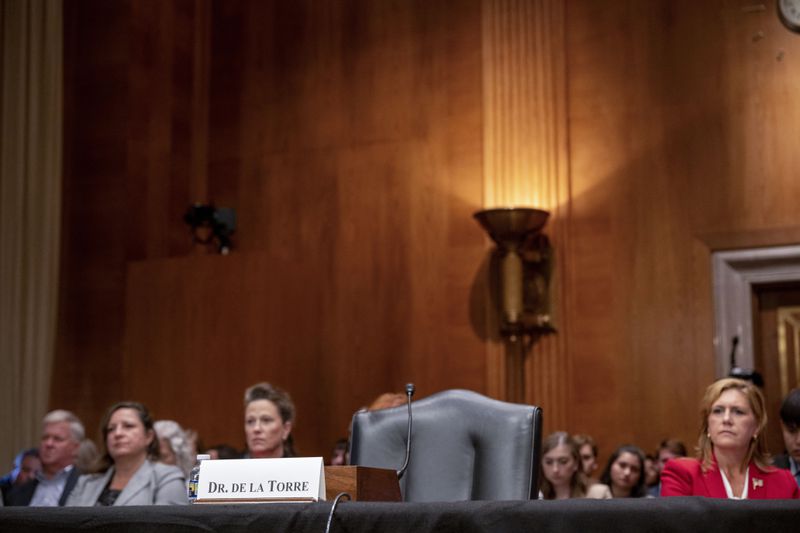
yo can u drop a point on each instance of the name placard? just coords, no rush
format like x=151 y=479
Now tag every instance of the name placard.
x=261 y=480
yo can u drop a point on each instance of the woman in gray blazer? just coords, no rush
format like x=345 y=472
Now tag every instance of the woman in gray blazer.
x=127 y=474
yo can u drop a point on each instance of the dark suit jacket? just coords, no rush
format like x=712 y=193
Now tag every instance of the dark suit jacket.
x=684 y=477
x=23 y=494
x=781 y=461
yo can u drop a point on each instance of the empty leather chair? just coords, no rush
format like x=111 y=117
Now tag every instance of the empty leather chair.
x=464 y=446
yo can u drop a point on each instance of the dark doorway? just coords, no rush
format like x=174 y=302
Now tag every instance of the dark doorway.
x=776 y=325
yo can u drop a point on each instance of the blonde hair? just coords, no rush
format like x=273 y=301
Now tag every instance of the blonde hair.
x=757 y=448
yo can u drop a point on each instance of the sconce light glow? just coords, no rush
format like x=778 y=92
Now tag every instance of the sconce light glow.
x=524 y=269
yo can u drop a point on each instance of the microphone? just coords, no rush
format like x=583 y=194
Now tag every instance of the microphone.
x=753 y=376
x=336 y=501
x=734 y=342
x=409 y=394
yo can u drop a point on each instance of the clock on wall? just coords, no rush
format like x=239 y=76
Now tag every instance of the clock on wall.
x=789 y=13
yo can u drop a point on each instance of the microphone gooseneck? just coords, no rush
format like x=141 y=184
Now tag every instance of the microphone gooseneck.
x=409 y=393
x=336 y=501
x=734 y=344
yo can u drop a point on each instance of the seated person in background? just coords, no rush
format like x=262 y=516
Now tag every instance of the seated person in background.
x=31 y=465
x=26 y=465
x=87 y=455
x=733 y=461
x=588 y=450
x=268 y=418
x=339 y=455
x=790 y=426
x=650 y=473
x=127 y=473
x=62 y=433
x=387 y=400
x=624 y=473
x=560 y=474
x=669 y=449
x=173 y=446
x=223 y=451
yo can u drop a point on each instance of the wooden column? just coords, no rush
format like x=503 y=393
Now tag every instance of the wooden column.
x=525 y=164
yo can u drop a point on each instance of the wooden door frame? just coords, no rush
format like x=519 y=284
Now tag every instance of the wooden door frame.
x=735 y=275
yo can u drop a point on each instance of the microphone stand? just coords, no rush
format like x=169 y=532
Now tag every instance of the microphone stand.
x=409 y=394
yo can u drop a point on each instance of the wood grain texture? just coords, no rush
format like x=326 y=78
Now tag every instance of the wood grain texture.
x=525 y=164
x=670 y=103
x=347 y=137
x=356 y=139
x=362 y=483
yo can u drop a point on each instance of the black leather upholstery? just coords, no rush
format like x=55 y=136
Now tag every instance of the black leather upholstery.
x=465 y=446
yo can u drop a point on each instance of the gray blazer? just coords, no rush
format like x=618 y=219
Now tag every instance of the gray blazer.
x=152 y=484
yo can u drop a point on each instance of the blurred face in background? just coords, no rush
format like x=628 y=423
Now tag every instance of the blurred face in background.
x=588 y=460
x=791 y=439
x=166 y=453
x=27 y=470
x=625 y=473
x=559 y=466
x=264 y=429
x=57 y=449
x=650 y=471
x=664 y=455
x=126 y=436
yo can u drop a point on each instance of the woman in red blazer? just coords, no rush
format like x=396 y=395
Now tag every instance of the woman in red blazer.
x=733 y=461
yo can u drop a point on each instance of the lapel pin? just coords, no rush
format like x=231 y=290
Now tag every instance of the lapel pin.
x=757 y=483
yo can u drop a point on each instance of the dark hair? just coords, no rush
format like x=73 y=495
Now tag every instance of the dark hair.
x=106 y=461
x=30 y=452
x=577 y=483
x=638 y=490
x=674 y=446
x=226 y=451
x=582 y=440
x=284 y=403
x=790 y=410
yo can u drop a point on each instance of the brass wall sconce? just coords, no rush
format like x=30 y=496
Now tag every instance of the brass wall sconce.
x=522 y=268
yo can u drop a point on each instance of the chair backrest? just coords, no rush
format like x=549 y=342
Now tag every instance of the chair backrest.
x=464 y=446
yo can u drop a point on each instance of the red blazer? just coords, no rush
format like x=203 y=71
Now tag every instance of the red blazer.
x=684 y=477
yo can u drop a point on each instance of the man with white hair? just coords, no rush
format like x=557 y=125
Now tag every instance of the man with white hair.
x=62 y=433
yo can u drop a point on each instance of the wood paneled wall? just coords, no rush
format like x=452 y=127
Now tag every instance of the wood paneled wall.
x=354 y=139
x=682 y=141
x=348 y=138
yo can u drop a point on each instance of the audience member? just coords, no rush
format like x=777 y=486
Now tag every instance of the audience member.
x=560 y=474
x=733 y=460
x=62 y=433
x=387 y=400
x=340 y=455
x=668 y=449
x=588 y=451
x=650 y=472
x=223 y=451
x=790 y=426
x=173 y=446
x=127 y=473
x=87 y=455
x=26 y=465
x=624 y=473
x=11 y=476
x=269 y=415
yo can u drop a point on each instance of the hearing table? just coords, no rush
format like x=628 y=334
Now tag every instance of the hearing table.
x=658 y=514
